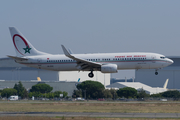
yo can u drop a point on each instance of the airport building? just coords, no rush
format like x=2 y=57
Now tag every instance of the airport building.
x=139 y=86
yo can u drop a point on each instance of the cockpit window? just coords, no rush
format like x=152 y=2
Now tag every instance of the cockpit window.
x=162 y=57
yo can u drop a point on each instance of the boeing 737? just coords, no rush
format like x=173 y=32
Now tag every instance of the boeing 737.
x=27 y=55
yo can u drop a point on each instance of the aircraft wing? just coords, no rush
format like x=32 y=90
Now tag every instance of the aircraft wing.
x=82 y=63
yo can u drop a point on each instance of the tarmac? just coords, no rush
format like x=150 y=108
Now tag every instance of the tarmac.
x=84 y=114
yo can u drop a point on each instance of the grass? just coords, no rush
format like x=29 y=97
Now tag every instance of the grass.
x=92 y=107
x=77 y=118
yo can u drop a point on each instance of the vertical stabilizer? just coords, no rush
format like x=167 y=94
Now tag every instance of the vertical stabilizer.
x=22 y=46
x=79 y=79
x=165 y=84
x=38 y=78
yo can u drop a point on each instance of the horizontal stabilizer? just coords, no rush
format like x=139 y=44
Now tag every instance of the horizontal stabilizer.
x=165 y=84
x=18 y=58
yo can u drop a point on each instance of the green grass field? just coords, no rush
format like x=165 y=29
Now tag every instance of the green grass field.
x=91 y=107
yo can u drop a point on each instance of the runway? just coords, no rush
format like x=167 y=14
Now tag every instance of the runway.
x=108 y=115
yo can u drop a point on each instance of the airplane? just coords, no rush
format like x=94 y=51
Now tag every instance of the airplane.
x=27 y=55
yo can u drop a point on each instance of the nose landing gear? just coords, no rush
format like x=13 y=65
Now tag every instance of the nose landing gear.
x=91 y=75
x=156 y=73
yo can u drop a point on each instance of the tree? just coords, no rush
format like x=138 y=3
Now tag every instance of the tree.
x=127 y=92
x=159 y=95
x=142 y=94
x=57 y=94
x=107 y=94
x=92 y=89
x=114 y=93
x=0 y=92
x=172 y=94
x=77 y=93
x=35 y=94
x=65 y=94
x=42 y=88
x=48 y=95
x=21 y=91
x=7 y=92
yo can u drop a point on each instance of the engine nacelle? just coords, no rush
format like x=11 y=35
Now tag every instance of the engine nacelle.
x=109 y=68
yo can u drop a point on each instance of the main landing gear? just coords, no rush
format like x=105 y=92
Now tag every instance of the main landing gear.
x=91 y=75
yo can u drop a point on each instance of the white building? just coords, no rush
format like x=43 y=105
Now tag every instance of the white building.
x=138 y=86
x=10 y=70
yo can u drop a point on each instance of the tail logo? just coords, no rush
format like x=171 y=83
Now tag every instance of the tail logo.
x=27 y=49
x=19 y=48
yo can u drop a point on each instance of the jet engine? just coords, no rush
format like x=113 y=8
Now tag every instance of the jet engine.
x=109 y=68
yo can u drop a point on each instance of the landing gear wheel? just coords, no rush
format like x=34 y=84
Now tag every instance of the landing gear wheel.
x=156 y=73
x=91 y=75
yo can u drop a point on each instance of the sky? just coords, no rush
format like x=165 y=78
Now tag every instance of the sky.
x=93 y=26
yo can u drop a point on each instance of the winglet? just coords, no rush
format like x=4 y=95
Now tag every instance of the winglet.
x=70 y=51
x=165 y=84
x=65 y=51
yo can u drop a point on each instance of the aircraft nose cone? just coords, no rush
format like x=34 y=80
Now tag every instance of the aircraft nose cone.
x=171 y=61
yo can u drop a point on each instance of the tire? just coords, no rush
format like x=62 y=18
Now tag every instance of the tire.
x=91 y=75
x=156 y=73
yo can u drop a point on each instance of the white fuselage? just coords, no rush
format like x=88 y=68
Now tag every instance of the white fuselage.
x=122 y=60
